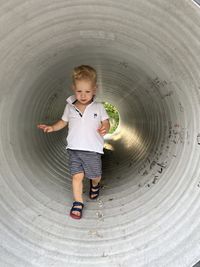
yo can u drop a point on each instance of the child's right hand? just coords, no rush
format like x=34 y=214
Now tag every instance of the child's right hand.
x=45 y=128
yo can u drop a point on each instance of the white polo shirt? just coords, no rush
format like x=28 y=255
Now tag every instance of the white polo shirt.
x=82 y=128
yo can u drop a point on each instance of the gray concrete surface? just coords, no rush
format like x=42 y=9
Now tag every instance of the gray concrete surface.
x=147 y=57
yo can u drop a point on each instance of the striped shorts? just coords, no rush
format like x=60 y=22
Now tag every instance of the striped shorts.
x=88 y=162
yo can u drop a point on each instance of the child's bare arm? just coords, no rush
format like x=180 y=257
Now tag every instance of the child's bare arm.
x=104 y=128
x=51 y=128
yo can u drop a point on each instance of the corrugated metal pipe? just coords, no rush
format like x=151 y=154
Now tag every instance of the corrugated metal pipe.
x=147 y=56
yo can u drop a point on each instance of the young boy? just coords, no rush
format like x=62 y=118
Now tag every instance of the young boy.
x=87 y=122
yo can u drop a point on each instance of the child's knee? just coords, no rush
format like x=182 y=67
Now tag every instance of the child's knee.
x=78 y=176
x=97 y=179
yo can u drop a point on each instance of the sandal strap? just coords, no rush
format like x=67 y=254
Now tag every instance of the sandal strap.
x=94 y=192
x=76 y=209
x=76 y=203
x=94 y=187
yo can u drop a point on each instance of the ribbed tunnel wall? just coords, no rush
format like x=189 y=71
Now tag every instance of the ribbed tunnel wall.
x=147 y=57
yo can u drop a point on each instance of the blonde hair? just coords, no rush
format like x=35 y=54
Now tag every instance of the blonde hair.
x=84 y=72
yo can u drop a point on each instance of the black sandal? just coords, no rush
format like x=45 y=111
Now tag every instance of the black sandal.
x=96 y=192
x=75 y=216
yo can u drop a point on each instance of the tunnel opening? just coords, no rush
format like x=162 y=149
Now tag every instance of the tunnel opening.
x=113 y=116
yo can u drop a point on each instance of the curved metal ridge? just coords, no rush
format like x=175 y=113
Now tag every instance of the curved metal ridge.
x=147 y=57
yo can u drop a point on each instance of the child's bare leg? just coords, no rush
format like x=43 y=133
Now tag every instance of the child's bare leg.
x=96 y=180
x=95 y=183
x=77 y=185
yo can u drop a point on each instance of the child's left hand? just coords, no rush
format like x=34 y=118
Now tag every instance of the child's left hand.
x=102 y=130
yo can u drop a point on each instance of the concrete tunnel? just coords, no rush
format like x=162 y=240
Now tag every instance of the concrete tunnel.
x=146 y=54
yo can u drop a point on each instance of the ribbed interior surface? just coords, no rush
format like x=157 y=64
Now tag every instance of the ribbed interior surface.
x=146 y=54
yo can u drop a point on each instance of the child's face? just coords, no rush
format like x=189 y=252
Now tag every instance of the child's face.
x=84 y=91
